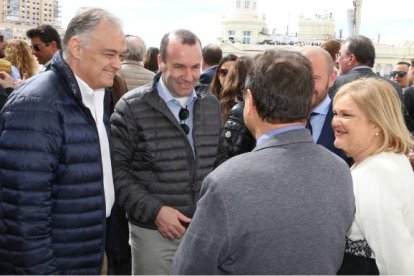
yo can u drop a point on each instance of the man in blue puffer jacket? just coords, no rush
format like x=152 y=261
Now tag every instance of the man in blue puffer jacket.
x=56 y=187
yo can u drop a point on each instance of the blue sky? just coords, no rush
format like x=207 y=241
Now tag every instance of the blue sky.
x=151 y=19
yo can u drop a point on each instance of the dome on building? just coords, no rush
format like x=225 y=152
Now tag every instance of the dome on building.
x=243 y=24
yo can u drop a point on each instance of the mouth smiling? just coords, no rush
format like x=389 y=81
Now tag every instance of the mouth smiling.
x=112 y=74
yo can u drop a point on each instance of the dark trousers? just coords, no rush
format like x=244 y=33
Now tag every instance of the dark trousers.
x=117 y=246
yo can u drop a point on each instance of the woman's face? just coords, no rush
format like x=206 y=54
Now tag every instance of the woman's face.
x=354 y=133
x=224 y=70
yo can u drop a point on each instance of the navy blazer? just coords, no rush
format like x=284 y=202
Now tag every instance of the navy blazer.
x=207 y=76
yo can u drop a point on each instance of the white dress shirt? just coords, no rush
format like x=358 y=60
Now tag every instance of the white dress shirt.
x=94 y=101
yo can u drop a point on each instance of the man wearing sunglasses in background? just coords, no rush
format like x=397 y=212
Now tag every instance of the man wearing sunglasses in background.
x=399 y=74
x=45 y=42
x=165 y=137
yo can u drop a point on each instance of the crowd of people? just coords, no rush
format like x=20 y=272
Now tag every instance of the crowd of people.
x=118 y=159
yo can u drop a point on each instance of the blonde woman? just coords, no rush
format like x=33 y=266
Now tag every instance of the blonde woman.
x=18 y=52
x=369 y=127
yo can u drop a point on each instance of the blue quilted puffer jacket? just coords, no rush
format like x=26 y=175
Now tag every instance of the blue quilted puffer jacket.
x=52 y=206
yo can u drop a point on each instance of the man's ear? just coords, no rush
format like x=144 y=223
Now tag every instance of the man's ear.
x=161 y=63
x=75 y=48
x=332 y=78
x=248 y=102
x=53 y=45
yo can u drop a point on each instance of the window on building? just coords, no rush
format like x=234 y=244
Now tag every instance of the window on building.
x=231 y=36
x=246 y=4
x=246 y=37
x=238 y=4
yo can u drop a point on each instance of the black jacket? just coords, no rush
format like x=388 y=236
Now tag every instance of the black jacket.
x=235 y=138
x=4 y=94
x=154 y=161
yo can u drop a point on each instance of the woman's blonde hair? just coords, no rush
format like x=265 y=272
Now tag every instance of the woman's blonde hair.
x=378 y=100
x=18 y=52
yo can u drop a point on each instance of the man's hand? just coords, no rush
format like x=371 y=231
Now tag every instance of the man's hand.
x=6 y=80
x=169 y=223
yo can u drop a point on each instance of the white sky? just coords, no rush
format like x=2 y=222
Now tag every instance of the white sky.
x=151 y=19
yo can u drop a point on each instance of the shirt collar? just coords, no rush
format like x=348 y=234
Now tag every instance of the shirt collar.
x=360 y=67
x=166 y=95
x=274 y=132
x=323 y=107
x=85 y=89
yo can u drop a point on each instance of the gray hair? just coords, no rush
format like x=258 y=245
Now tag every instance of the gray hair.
x=135 y=48
x=84 y=22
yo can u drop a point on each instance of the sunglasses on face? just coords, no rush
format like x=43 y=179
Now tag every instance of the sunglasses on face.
x=183 y=115
x=400 y=74
x=37 y=47
x=223 y=72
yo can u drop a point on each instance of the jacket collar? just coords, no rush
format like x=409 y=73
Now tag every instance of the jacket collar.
x=297 y=136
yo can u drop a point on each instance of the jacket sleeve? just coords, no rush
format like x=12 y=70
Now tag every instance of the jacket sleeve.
x=130 y=186
x=30 y=141
x=235 y=138
x=206 y=244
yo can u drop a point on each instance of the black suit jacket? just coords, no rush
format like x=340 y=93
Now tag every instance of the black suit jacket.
x=365 y=72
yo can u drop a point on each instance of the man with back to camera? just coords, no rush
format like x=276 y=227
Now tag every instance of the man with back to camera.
x=212 y=55
x=45 y=42
x=56 y=187
x=165 y=137
x=273 y=210
x=320 y=119
x=132 y=69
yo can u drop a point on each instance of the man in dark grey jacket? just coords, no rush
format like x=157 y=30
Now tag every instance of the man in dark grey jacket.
x=283 y=208
x=165 y=138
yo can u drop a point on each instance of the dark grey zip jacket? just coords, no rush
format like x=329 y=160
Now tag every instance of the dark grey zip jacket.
x=154 y=162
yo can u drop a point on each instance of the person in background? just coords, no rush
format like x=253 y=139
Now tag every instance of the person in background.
x=332 y=46
x=356 y=59
x=7 y=85
x=222 y=70
x=56 y=186
x=45 y=42
x=235 y=137
x=258 y=215
x=411 y=73
x=151 y=59
x=369 y=127
x=320 y=118
x=399 y=74
x=165 y=138
x=133 y=72
x=212 y=55
x=18 y=52
x=6 y=65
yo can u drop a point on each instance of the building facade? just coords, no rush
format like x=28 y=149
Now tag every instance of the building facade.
x=311 y=31
x=243 y=24
x=18 y=16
